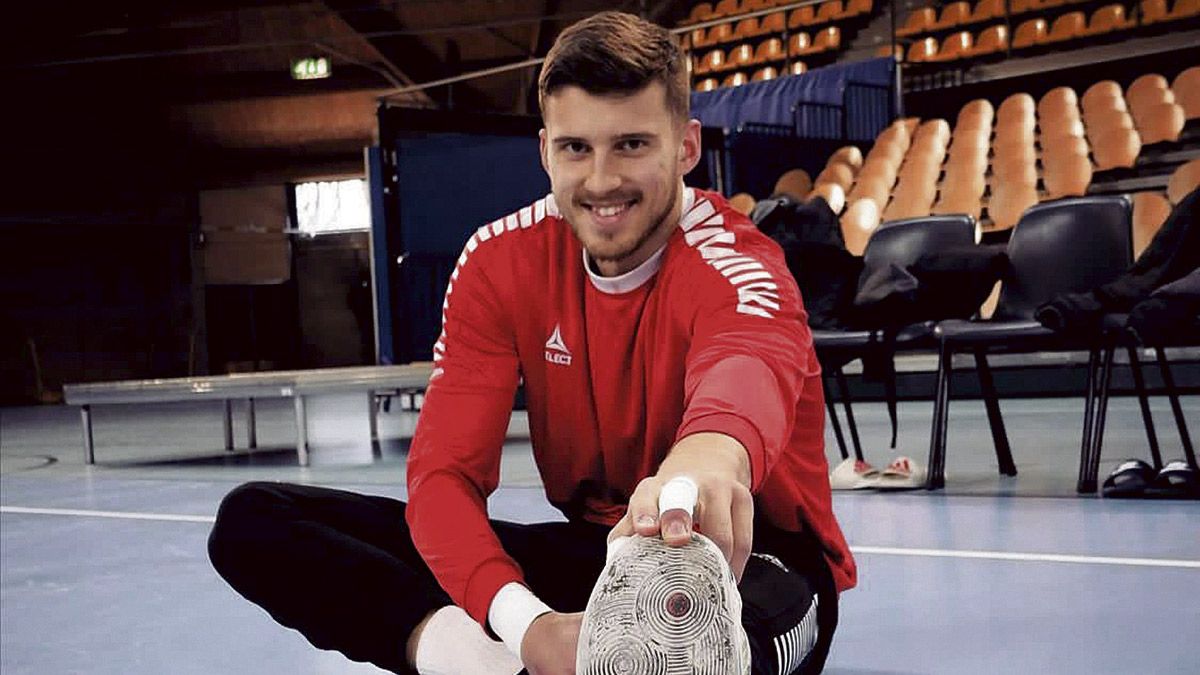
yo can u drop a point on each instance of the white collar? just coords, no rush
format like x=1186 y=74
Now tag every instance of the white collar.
x=634 y=278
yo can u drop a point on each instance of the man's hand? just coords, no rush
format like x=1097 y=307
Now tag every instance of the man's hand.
x=720 y=468
x=549 y=645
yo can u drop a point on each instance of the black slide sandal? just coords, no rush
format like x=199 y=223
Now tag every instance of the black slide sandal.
x=1129 y=479
x=1177 y=480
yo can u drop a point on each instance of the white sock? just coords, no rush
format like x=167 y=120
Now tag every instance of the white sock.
x=453 y=643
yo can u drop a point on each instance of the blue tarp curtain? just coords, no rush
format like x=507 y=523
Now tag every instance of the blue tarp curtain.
x=869 y=86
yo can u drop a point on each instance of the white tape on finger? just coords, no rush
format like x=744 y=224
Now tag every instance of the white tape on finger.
x=679 y=493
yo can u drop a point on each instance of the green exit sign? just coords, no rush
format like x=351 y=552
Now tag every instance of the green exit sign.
x=313 y=68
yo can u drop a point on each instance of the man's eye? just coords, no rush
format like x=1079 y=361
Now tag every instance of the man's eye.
x=632 y=144
x=575 y=148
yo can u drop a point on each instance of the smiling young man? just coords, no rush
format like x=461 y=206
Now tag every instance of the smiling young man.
x=661 y=343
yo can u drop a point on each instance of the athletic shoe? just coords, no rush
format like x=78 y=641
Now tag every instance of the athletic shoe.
x=902 y=474
x=663 y=610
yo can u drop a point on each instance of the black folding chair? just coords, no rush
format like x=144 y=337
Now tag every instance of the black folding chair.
x=1119 y=336
x=1064 y=246
x=900 y=243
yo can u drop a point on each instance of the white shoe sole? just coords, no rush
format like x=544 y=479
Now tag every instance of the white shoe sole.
x=662 y=610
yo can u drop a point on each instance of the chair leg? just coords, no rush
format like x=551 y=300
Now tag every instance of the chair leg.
x=1004 y=456
x=1082 y=485
x=1139 y=384
x=1097 y=443
x=844 y=391
x=1173 y=394
x=833 y=418
x=941 y=407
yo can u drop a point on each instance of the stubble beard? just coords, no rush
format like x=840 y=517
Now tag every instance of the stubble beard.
x=645 y=235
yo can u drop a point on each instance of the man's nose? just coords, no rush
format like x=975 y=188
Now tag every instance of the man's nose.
x=603 y=175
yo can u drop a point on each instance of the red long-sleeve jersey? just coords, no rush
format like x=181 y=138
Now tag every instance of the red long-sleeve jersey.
x=708 y=335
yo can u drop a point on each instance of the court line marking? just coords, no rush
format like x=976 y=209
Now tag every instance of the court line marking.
x=125 y=515
x=860 y=550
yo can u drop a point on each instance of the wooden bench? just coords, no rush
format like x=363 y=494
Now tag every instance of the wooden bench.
x=302 y=386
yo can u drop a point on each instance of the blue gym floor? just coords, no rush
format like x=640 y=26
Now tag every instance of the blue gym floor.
x=103 y=569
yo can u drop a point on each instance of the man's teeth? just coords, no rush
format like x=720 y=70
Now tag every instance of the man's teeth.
x=609 y=211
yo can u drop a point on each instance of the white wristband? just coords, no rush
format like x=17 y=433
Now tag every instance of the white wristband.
x=513 y=609
x=679 y=493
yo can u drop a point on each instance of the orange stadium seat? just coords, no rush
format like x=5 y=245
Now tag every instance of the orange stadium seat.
x=918 y=21
x=1150 y=211
x=830 y=10
x=1145 y=88
x=1067 y=27
x=912 y=198
x=1153 y=11
x=838 y=173
x=833 y=195
x=726 y=8
x=702 y=11
x=735 y=80
x=764 y=74
x=740 y=56
x=1116 y=148
x=1017 y=106
x=849 y=155
x=1185 y=179
x=992 y=40
x=858 y=222
x=1100 y=122
x=1103 y=90
x=896 y=51
x=720 y=33
x=857 y=8
x=798 y=44
x=924 y=49
x=952 y=15
x=802 y=16
x=1008 y=202
x=1022 y=6
x=955 y=46
x=1186 y=87
x=1030 y=34
x=1058 y=99
x=798 y=68
x=756 y=5
x=1162 y=122
x=1184 y=9
x=746 y=28
x=770 y=50
x=987 y=9
x=773 y=23
x=826 y=39
x=795 y=182
x=712 y=62
x=707 y=84
x=1108 y=19
x=1067 y=176
x=743 y=203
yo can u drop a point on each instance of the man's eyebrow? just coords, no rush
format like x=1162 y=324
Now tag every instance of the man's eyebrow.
x=563 y=140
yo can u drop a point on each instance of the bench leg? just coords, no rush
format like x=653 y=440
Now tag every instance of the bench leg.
x=301 y=431
x=229 y=425
x=251 y=425
x=89 y=448
x=373 y=416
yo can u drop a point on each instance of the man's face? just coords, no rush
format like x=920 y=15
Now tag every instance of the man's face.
x=615 y=164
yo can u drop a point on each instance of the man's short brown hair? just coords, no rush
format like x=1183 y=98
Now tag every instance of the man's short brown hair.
x=616 y=53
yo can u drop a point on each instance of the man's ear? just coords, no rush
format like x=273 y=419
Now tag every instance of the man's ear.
x=542 y=150
x=689 y=150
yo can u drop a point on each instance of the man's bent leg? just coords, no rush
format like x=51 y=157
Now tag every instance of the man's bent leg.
x=337 y=566
x=789 y=603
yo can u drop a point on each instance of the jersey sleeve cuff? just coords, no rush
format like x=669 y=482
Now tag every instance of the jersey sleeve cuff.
x=512 y=611
x=738 y=428
x=489 y=578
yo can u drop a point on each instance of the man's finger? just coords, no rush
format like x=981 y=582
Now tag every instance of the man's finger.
x=716 y=522
x=623 y=528
x=743 y=531
x=676 y=505
x=643 y=507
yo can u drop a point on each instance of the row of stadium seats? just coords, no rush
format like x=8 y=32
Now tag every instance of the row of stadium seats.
x=831 y=10
x=770 y=51
x=777 y=23
x=1108 y=18
x=997 y=162
x=739 y=78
